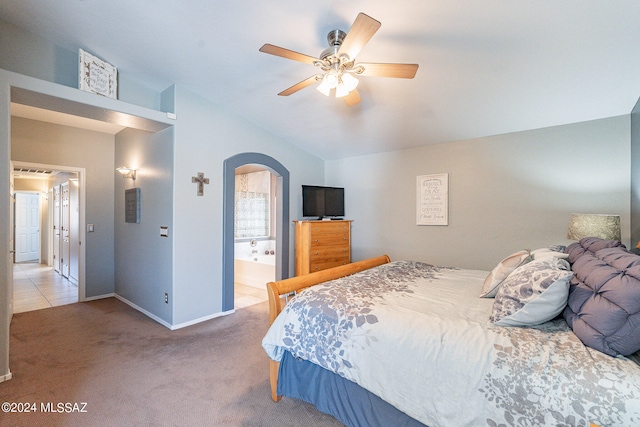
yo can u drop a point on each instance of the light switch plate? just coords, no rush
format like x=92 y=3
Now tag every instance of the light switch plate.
x=164 y=231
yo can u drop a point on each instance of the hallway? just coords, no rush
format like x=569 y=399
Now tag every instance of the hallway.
x=37 y=286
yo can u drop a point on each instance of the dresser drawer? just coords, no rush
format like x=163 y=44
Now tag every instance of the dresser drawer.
x=329 y=227
x=330 y=252
x=326 y=263
x=329 y=239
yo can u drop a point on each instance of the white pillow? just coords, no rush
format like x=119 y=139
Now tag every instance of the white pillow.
x=534 y=293
x=501 y=271
x=548 y=253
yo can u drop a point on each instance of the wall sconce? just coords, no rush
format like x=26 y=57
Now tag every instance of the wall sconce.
x=605 y=227
x=127 y=172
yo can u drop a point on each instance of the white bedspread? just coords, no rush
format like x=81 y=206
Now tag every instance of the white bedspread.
x=419 y=337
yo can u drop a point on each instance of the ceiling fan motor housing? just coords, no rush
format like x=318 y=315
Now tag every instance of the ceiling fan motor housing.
x=334 y=38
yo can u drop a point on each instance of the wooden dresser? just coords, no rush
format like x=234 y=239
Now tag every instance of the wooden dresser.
x=321 y=244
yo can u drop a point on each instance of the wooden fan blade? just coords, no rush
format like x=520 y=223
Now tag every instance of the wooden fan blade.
x=363 y=28
x=288 y=54
x=352 y=98
x=298 y=86
x=402 y=71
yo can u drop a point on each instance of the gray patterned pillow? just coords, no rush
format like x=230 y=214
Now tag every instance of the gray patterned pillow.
x=533 y=293
x=500 y=272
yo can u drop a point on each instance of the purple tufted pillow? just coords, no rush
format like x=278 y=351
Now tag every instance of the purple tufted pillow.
x=590 y=244
x=604 y=296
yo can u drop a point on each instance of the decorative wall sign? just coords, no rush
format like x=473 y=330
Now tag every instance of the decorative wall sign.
x=432 y=199
x=132 y=205
x=97 y=76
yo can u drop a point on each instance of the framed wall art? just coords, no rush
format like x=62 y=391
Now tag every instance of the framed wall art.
x=432 y=199
x=132 y=205
x=97 y=76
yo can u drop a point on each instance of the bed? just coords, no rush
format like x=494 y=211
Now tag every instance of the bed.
x=405 y=343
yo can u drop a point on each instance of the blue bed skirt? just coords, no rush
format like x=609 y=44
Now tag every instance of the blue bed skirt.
x=337 y=396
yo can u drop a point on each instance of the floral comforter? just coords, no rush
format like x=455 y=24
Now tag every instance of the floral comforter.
x=418 y=336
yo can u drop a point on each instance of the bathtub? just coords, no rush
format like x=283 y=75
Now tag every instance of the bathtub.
x=255 y=270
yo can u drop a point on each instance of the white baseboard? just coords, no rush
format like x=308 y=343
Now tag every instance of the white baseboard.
x=99 y=297
x=202 y=319
x=143 y=311
x=5 y=377
x=156 y=318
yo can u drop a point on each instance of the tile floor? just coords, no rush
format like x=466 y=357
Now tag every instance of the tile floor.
x=245 y=295
x=37 y=286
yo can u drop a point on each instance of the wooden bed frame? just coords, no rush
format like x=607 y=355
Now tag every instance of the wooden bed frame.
x=280 y=290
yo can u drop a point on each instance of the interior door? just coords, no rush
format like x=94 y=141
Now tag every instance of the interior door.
x=56 y=228
x=11 y=240
x=27 y=227
x=74 y=231
x=64 y=230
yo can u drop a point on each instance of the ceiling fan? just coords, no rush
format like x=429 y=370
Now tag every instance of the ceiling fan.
x=337 y=66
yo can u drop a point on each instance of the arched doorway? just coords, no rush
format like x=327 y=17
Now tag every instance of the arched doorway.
x=282 y=214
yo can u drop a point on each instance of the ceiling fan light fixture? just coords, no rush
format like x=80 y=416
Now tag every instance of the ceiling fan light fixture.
x=341 y=91
x=324 y=88
x=349 y=81
x=332 y=78
x=347 y=84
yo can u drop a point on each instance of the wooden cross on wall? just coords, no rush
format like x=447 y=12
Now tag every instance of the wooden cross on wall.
x=201 y=180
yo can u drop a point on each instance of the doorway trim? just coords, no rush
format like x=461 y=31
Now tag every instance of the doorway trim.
x=282 y=221
x=82 y=220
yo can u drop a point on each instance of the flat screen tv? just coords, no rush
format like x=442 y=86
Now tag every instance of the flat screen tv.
x=322 y=202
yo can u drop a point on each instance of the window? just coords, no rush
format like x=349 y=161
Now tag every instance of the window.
x=252 y=205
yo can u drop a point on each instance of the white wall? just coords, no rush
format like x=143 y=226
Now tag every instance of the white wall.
x=506 y=192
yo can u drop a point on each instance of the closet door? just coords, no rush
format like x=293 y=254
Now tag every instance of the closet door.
x=57 y=241
x=74 y=231
x=64 y=230
x=12 y=251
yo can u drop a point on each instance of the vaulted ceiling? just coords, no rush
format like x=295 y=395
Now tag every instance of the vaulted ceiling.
x=486 y=67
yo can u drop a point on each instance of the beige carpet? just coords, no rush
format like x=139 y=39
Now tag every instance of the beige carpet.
x=131 y=371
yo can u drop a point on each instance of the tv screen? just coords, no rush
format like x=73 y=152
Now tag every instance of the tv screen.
x=322 y=201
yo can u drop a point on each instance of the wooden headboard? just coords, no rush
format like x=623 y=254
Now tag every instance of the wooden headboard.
x=294 y=284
